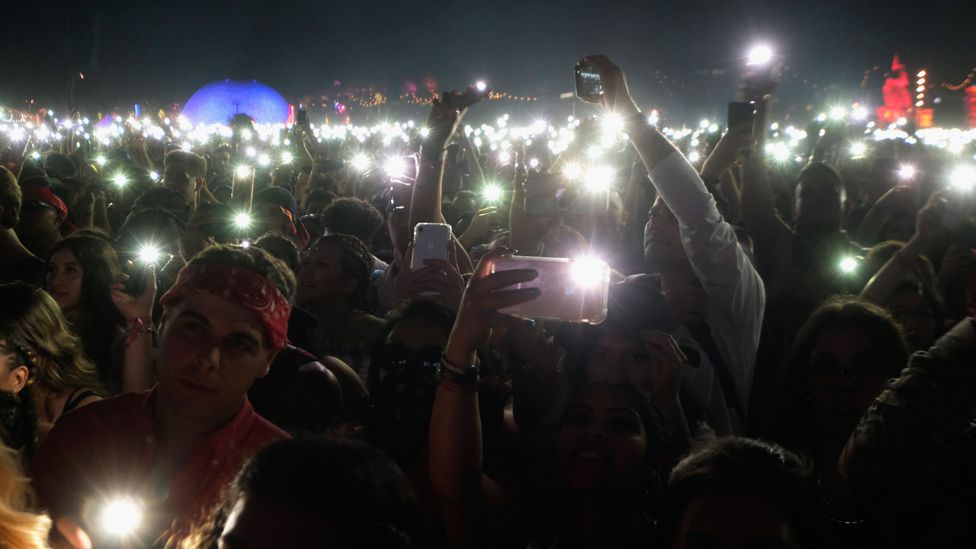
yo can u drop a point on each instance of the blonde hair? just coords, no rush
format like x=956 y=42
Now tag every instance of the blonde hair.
x=32 y=319
x=18 y=526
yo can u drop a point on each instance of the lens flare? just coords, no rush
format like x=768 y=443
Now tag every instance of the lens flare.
x=121 y=517
x=760 y=54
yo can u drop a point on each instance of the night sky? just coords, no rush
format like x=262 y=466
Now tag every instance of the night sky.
x=162 y=52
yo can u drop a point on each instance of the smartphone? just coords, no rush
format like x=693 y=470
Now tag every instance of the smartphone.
x=430 y=241
x=301 y=119
x=741 y=113
x=550 y=195
x=571 y=290
x=589 y=85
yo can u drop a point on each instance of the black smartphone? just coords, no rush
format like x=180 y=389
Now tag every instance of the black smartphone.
x=741 y=113
x=589 y=85
x=301 y=119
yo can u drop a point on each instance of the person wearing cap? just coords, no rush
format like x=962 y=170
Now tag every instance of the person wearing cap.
x=43 y=218
x=175 y=448
x=275 y=209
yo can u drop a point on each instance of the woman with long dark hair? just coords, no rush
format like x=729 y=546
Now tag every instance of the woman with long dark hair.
x=80 y=271
x=841 y=360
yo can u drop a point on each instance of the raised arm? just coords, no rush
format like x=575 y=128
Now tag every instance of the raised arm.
x=455 y=459
x=137 y=367
x=927 y=229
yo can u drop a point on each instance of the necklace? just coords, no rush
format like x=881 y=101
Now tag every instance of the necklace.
x=834 y=513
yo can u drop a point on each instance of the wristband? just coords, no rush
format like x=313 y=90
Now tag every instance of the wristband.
x=135 y=327
x=458 y=375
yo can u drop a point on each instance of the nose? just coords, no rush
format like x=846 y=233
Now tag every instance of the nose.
x=209 y=358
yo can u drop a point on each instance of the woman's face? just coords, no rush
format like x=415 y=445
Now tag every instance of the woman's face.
x=63 y=279
x=914 y=315
x=602 y=443
x=320 y=276
x=845 y=374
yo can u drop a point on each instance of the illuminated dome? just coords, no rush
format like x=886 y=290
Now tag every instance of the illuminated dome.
x=218 y=102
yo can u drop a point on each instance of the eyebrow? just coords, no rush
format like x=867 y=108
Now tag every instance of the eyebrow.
x=620 y=409
x=235 y=334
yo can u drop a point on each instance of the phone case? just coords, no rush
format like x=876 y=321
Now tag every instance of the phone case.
x=430 y=241
x=572 y=290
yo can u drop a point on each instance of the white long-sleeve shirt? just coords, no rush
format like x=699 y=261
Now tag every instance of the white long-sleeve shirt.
x=735 y=297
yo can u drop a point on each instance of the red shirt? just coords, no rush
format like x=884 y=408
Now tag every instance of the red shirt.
x=108 y=448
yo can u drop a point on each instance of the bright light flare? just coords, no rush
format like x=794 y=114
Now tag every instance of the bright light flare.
x=287 y=157
x=101 y=160
x=760 y=54
x=395 y=167
x=847 y=264
x=492 y=192
x=963 y=178
x=598 y=178
x=838 y=113
x=859 y=113
x=858 y=149
x=149 y=254
x=906 y=172
x=589 y=272
x=243 y=171
x=121 y=517
x=481 y=86
x=120 y=180
x=572 y=171
x=242 y=220
x=360 y=162
x=264 y=159
x=612 y=124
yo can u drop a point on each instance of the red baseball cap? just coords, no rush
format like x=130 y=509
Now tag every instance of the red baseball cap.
x=38 y=193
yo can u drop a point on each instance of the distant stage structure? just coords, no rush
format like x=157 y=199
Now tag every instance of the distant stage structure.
x=218 y=102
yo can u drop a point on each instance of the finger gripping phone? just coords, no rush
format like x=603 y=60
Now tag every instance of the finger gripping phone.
x=572 y=290
x=589 y=85
x=430 y=241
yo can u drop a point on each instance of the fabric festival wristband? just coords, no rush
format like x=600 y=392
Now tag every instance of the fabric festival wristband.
x=240 y=286
x=135 y=327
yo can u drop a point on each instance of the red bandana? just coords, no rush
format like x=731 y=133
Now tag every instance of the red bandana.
x=237 y=285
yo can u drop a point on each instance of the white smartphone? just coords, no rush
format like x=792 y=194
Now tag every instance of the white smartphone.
x=430 y=241
x=573 y=290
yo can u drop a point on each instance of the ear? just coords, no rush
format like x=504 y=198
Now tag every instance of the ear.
x=19 y=375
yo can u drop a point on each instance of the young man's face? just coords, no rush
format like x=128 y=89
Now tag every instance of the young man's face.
x=210 y=352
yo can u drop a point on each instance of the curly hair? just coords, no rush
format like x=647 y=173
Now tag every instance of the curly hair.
x=33 y=321
x=18 y=526
x=355 y=216
x=356 y=264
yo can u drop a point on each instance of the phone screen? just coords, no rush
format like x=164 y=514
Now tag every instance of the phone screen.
x=741 y=113
x=588 y=82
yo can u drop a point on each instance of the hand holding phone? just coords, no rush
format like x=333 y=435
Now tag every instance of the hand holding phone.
x=589 y=85
x=430 y=241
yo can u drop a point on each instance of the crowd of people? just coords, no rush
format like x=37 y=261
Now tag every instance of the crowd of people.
x=202 y=346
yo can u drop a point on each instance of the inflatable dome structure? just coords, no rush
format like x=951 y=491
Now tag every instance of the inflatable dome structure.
x=218 y=102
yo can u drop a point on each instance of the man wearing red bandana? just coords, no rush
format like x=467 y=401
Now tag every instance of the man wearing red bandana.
x=174 y=449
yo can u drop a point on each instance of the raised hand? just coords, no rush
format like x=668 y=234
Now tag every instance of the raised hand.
x=486 y=293
x=134 y=306
x=445 y=117
x=616 y=97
